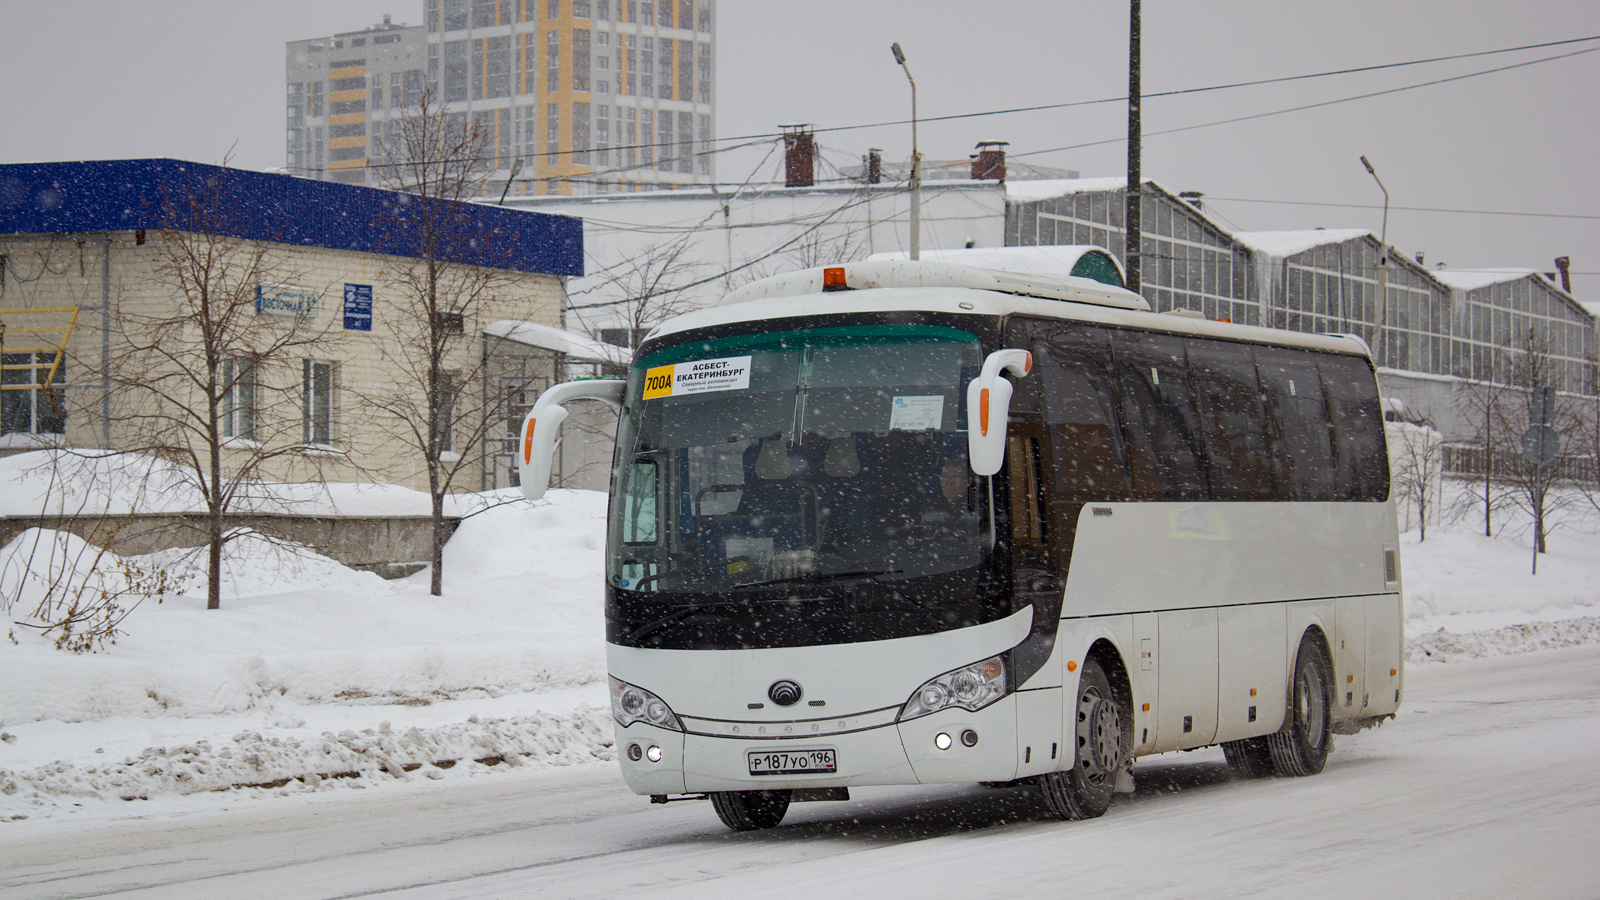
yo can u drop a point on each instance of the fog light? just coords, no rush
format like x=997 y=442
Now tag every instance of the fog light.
x=634 y=752
x=942 y=741
x=969 y=737
x=654 y=753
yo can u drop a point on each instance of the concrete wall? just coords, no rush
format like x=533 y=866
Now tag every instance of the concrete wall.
x=393 y=546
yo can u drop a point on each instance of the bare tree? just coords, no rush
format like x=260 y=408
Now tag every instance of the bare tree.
x=441 y=403
x=1530 y=484
x=648 y=286
x=1482 y=402
x=1417 y=461
x=816 y=248
x=209 y=376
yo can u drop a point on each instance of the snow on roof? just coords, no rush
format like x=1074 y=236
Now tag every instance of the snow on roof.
x=1053 y=259
x=1472 y=279
x=1050 y=188
x=560 y=340
x=1289 y=243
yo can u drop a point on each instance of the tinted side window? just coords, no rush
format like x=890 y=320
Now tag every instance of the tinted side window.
x=1361 y=460
x=1298 y=412
x=1081 y=415
x=1159 y=423
x=1234 y=434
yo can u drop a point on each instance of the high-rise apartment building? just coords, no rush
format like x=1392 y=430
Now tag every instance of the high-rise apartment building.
x=593 y=96
x=345 y=93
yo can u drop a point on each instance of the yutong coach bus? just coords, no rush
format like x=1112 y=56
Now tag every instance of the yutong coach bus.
x=904 y=523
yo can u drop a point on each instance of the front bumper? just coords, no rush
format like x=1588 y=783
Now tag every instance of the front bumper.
x=897 y=753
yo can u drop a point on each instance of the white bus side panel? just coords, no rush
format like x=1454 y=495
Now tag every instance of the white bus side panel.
x=1154 y=556
x=1188 y=688
x=1252 y=671
x=1385 y=667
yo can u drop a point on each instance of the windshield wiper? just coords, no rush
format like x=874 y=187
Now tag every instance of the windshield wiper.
x=820 y=577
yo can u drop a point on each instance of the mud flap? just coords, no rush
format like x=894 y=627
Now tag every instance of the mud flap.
x=1124 y=783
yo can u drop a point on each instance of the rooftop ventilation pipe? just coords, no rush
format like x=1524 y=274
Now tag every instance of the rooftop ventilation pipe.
x=990 y=161
x=1564 y=266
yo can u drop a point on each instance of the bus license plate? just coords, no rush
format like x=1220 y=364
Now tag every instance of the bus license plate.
x=791 y=762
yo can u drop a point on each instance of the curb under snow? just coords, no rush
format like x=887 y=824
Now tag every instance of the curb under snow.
x=251 y=760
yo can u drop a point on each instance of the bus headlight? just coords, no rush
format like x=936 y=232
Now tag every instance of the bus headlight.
x=631 y=704
x=969 y=687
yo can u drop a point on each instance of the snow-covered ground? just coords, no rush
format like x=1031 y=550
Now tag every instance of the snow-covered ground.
x=1487 y=787
x=314 y=680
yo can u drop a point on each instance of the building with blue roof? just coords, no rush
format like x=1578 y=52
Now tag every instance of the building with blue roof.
x=89 y=256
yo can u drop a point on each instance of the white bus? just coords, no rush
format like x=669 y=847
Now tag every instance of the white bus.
x=910 y=523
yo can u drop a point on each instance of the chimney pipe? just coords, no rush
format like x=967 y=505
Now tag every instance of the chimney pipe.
x=990 y=160
x=874 y=165
x=1564 y=266
x=1192 y=198
x=799 y=156
x=1420 y=260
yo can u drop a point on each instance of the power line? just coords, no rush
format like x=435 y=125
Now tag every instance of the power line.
x=1181 y=91
x=1433 y=209
x=1279 y=112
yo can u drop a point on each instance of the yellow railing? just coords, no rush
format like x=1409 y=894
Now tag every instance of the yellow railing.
x=34 y=337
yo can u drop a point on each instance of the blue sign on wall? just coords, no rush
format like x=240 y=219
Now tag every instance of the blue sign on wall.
x=358 y=307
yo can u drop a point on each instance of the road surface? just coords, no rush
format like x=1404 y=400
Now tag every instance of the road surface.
x=1488 y=785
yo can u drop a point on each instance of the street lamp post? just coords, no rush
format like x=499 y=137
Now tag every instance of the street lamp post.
x=916 y=159
x=1383 y=268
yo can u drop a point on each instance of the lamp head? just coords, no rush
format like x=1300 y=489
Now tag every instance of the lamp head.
x=899 y=55
x=1370 y=170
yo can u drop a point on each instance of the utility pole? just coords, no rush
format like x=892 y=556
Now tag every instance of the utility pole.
x=916 y=159
x=1376 y=339
x=1130 y=252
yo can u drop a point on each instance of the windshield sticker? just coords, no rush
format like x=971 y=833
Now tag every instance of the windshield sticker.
x=917 y=413
x=729 y=374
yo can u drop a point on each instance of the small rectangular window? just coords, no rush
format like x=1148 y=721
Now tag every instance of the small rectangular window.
x=580 y=59
x=36 y=410
x=239 y=399
x=317 y=393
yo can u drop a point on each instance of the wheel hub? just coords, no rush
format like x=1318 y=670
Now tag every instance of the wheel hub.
x=1099 y=736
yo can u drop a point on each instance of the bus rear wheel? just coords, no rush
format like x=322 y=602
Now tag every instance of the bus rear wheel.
x=1302 y=747
x=750 y=810
x=1100 y=751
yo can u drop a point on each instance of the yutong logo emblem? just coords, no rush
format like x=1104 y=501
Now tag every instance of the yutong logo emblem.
x=784 y=693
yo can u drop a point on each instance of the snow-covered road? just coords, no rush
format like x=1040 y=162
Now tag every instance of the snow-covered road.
x=1487 y=786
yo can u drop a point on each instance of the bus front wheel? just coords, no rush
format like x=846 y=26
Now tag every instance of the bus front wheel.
x=750 y=810
x=1302 y=747
x=1100 y=751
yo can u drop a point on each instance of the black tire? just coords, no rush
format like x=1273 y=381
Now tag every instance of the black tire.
x=1249 y=758
x=1302 y=747
x=750 y=810
x=1100 y=751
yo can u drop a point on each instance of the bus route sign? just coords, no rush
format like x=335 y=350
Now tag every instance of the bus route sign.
x=697 y=377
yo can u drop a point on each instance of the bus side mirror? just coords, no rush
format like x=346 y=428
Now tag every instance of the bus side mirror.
x=537 y=449
x=989 y=406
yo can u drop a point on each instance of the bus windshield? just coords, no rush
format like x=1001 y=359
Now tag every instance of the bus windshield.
x=815 y=456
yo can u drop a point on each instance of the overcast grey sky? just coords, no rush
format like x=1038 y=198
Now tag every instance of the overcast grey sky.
x=194 y=80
